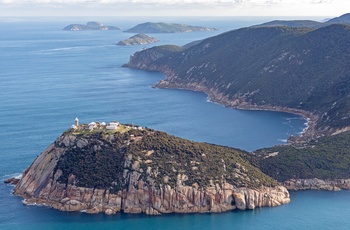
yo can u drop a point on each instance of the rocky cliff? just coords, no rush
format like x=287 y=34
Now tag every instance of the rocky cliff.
x=138 y=170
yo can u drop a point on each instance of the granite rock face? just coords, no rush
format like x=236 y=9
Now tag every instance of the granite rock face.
x=40 y=184
x=317 y=184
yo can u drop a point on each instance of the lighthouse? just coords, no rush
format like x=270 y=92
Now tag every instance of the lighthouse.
x=76 y=122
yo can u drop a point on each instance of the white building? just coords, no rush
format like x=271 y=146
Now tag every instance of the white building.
x=92 y=125
x=113 y=125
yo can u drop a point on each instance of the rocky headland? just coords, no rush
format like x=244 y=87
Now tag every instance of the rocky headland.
x=139 y=170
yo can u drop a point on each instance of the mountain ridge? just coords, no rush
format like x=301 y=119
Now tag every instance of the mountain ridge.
x=343 y=19
x=267 y=68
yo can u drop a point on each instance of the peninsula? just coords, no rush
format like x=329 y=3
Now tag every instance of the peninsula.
x=298 y=70
x=302 y=70
x=113 y=167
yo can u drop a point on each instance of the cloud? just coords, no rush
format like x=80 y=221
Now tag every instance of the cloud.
x=164 y=2
x=119 y=1
x=177 y=7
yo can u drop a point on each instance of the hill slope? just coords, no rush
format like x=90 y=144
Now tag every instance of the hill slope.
x=273 y=68
x=138 y=39
x=292 y=23
x=327 y=158
x=343 y=19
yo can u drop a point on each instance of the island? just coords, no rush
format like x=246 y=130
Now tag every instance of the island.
x=138 y=39
x=161 y=27
x=90 y=26
x=114 y=167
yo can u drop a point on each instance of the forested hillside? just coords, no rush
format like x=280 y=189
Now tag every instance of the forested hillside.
x=300 y=68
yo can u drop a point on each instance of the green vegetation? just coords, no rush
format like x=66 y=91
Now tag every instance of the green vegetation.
x=90 y=26
x=343 y=19
x=300 y=68
x=100 y=160
x=161 y=27
x=138 y=39
x=324 y=158
x=93 y=167
x=292 y=23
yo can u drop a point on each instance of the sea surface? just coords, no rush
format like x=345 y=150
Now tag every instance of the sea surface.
x=49 y=76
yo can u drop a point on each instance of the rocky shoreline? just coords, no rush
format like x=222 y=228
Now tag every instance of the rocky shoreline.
x=171 y=82
x=40 y=185
x=182 y=199
x=151 y=201
x=214 y=96
x=317 y=184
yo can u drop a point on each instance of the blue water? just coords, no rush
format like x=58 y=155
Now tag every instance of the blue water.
x=49 y=77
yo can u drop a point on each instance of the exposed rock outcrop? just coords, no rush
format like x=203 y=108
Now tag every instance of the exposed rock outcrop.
x=12 y=181
x=317 y=184
x=142 y=187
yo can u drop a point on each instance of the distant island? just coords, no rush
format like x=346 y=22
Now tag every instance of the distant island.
x=138 y=39
x=90 y=26
x=161 y=27
x=108 y=168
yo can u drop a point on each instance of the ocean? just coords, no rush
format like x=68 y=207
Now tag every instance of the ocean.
x=50 y=76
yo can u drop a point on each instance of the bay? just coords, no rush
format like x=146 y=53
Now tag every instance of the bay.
x=49 y=77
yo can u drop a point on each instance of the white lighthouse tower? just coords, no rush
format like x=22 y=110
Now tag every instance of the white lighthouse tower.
x=76 y=122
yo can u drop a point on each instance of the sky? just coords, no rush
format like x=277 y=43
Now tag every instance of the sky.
x=15 y=8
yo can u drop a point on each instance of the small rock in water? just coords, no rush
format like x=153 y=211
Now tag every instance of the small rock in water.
x=12 y=180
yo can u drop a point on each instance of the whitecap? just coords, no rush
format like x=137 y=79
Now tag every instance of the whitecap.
x=63 y=49
x=13 y=175
x=25 y=202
